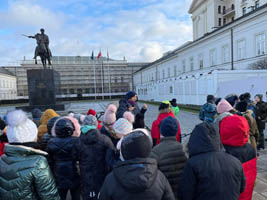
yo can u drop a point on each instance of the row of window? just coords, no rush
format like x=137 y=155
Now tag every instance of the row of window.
x=245 y=9
x=260 y=46
x=7 y=84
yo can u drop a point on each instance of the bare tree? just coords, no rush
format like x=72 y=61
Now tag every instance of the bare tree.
x=261 y=64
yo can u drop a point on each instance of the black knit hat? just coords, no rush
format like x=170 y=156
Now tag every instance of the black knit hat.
x=135 y=145
x=163 y=106
x=242 y=106
x=260 y=96
x=210 y=98
x=50 y=124
x=130 y=94
x=169 y=127
x=173 y=102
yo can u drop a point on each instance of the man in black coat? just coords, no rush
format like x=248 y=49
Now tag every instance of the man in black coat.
x=137 y=177
x=261 y=117
x=210 y=173
x=129 y=103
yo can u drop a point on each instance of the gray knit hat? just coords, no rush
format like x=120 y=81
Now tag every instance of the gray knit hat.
x=90 y=120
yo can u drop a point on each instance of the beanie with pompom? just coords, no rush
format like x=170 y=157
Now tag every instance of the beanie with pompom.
x=129 y=116
x=110 y=115
x=20 y=128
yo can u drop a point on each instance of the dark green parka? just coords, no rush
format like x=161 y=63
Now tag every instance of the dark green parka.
x=25 y=174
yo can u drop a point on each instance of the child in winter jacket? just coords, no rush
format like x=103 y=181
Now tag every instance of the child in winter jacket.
x=169 y=153
x=165 y=110
x=234 y=131
x=210 y=173
x=90 y=150
x=24 y=171
x=60 y=156
x=208 y=110
x=137 y=177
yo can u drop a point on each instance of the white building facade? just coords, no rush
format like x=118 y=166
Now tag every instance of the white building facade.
x=8 y=85
x=185 y=72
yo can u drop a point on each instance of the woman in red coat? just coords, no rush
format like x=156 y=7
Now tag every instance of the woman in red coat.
x=165 y=110
x=234 y=131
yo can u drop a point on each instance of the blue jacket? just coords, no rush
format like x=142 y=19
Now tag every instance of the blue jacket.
x=207 y=112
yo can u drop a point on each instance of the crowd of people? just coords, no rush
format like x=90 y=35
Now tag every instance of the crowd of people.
x=119 y=157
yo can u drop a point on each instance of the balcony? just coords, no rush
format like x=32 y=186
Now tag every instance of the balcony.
x=229 y=12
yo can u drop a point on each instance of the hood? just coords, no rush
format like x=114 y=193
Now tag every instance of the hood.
x=162 y=116
x=234 y=131
x=209 y=107
x=136 y=175
x=16 y=150
x=204 y=138
x=48 y=114
x=90 y=137
x=224 y=106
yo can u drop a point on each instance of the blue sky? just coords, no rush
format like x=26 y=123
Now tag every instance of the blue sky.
x=140 y=30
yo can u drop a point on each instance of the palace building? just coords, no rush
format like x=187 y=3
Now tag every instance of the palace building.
x=229 y=38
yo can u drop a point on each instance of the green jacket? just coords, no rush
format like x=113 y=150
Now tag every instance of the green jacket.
x=176 y=110
x=25 y=174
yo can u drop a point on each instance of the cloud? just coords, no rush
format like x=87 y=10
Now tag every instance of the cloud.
x=139 y=30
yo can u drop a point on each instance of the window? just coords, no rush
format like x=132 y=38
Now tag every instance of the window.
x=220 y=22
x=201 y=61
x=191 y=63
x=233 y=18
x=212 y=57
x=226 y=54
x=171 y=90
x=175 y=70
x=260 y=44
x=169 y=72
x=233 y=6
x=257 y=4
x=163 y=73
x=241 y=49
x=219 y=10
x=224 y=21
x=224 y=9
x=122 y=79
x=244 y=10
x=184 y=66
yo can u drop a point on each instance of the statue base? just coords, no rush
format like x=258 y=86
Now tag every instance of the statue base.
x=42 y=86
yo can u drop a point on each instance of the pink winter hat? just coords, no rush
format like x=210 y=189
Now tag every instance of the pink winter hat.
x=110 y=115
x=224 y=106
x=129 y=116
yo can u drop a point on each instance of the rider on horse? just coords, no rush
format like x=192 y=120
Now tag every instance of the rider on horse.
x=42 y=45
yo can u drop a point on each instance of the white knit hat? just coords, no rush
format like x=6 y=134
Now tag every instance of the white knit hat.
x=20 y=129
x=122 y=127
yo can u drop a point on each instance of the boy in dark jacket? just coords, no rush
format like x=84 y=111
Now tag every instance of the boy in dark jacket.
x=90 y=150
x=208 y=110
x=138 y=176
x=63 y=165
x=234 y=132
x=210 y=173
x=169 y=153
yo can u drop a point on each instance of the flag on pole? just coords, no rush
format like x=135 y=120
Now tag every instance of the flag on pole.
x=107 y=55
x=99 y=54
x=92 y=56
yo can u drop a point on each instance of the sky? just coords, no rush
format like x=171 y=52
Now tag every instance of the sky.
x=139 y=30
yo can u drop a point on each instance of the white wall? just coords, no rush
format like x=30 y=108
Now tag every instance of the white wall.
x=8 y=87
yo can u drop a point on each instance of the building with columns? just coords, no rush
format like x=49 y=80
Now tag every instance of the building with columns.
x=208 y=15
x=216 y=58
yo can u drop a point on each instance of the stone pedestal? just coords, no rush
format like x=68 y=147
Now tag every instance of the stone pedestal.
x=42 y=87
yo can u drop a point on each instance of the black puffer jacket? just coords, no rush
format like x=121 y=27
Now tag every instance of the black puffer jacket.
x=261 y=114
x=62 y=163
x=90 y=150
x=171 y=160
x=137 y=179
x=124 y=106
x=210 y=173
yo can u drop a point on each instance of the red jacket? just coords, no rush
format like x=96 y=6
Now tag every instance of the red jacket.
x=155 y=131
x=234 y=131
x=2 y=145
